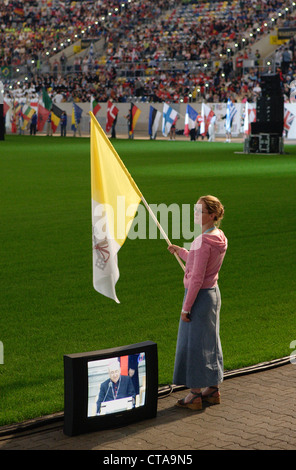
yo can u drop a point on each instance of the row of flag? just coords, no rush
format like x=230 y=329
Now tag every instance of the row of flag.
x=25 y=113
x=168 y=116
x=49 y=109
x=112 y=113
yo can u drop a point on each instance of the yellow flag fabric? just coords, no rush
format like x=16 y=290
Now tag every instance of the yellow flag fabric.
x=115 y=200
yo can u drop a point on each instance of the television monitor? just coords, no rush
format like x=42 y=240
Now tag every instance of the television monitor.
x=110 y=388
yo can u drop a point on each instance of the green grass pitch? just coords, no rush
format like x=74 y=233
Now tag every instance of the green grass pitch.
x=48 y=305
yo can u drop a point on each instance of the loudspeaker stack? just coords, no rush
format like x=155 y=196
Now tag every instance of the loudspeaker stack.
x=269 y=118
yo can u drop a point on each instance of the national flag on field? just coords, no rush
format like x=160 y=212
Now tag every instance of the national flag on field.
x=47 y=102
x=115 y=200
x=26 y=113
x=190 y=119
x=94 y=106
x=112 y=112
x=288 y=119
x=16 y=114
x=133 y=118
x=42 y=116
x=154 y=118
x=250 y=116
x=230 y=113
x=34 y=105
x=206 y=113
x=169 y=117
x=76 y=116
x=56 y=114
x=6 y=108
x=13 y=124
x=17 y=107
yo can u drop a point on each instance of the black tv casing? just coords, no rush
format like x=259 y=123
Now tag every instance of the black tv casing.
x=76 y=420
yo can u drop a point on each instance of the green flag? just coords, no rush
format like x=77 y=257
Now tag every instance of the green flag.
x=5 y=71
x=46 y=100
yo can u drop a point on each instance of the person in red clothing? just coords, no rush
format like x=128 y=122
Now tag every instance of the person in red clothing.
x=199 y=358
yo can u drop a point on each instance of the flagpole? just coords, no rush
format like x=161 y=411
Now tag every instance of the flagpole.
x=135 y=187
x=161 y=229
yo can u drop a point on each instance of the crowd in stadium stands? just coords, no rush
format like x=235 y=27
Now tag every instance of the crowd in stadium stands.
x=153 y=51
x=34 y=29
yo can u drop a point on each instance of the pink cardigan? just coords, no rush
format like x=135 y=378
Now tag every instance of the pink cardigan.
x=203 y=263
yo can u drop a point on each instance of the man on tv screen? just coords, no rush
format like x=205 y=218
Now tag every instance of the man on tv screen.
x=116 y=387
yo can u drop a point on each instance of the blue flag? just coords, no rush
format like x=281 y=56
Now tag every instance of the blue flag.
x=230 y=113
x=169 y=117
x=154 y=117
x=76 y=116
x=190 y=119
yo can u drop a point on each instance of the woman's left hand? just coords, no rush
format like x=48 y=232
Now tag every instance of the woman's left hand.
x=174 y=249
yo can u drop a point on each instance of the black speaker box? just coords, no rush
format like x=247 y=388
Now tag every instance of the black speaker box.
x=270 y=84
x=267 y=128
x=270 y=109
x=274 y=146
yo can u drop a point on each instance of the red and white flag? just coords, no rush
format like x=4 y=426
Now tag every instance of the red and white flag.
x=94 y=106
x=250 y=116
x=112 y=112
x=42 y=114
x=206 y=113
x=6 y=108
x=288 y=119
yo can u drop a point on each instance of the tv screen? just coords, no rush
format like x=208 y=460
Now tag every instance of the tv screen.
x=110 y=388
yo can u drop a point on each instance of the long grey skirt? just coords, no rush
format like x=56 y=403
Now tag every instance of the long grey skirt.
x=199 y=357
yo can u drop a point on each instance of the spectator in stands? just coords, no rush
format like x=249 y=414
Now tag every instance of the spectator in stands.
x=286 y=60
x=142 y=43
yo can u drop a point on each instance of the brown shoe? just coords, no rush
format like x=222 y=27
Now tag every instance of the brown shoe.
x=194 y=404
x=213 y=397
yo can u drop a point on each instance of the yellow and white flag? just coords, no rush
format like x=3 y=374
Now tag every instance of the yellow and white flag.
x=115 y=200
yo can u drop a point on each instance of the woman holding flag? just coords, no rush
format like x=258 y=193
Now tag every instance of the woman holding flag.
x=199 y=358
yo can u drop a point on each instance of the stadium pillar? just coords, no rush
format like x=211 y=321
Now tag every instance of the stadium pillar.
x=2 y=125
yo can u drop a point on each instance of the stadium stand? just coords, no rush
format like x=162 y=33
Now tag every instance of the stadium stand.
x=170 y=50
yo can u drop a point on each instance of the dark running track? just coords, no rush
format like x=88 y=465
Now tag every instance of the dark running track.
x=257 y=412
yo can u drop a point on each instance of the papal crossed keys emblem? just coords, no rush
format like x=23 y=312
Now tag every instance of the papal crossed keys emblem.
x=102 y=252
